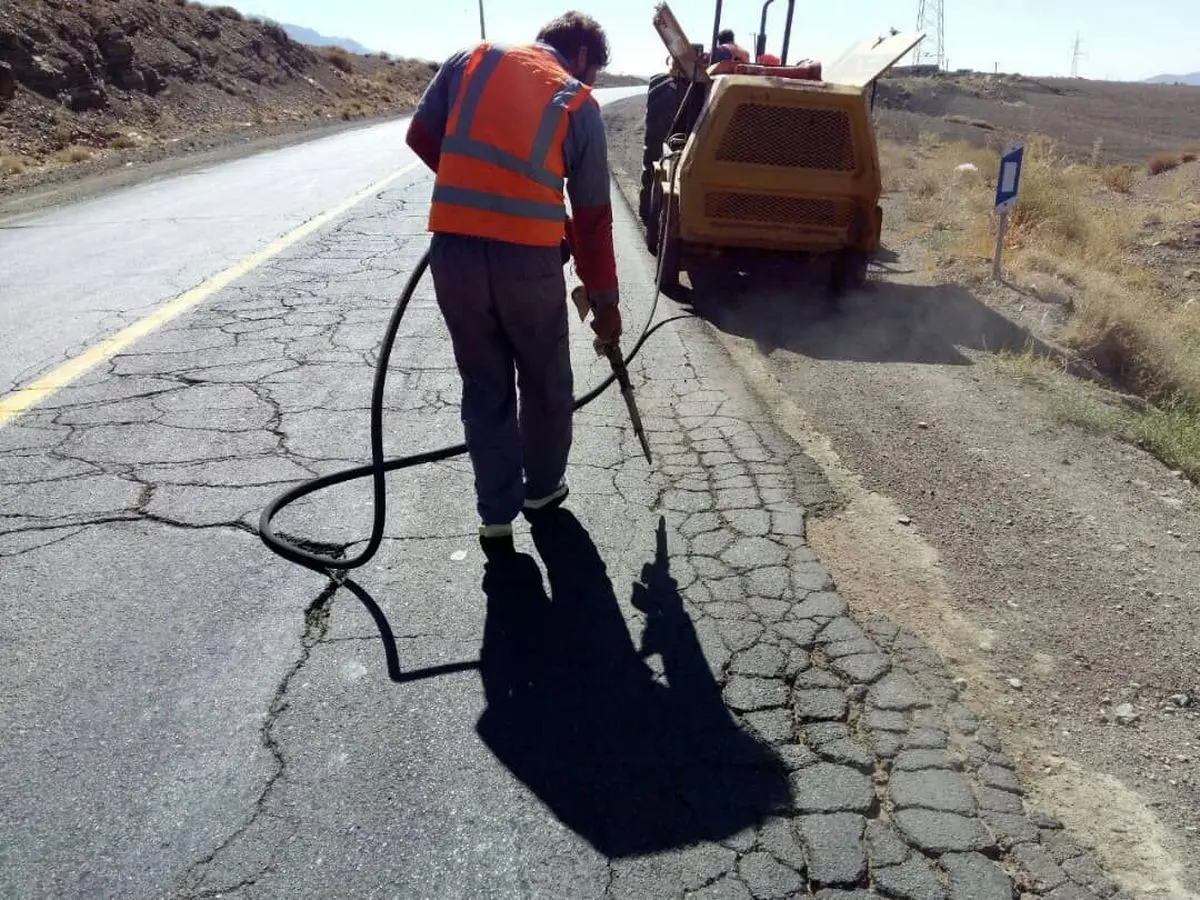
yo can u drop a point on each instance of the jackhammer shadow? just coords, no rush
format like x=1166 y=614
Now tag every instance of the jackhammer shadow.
x=632 y=760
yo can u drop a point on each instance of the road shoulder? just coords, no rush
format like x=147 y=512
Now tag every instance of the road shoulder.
x=880 y=405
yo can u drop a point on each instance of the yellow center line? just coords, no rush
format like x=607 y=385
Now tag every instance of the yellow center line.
x=21 y=400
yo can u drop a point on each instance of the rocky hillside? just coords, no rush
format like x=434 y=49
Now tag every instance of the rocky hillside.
x=81 y=79
x=607 y=80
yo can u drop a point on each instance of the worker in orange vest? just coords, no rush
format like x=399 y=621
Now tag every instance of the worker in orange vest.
x=505 y=129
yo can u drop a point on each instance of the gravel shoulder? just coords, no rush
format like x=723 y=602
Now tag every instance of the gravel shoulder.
x=1053 y=568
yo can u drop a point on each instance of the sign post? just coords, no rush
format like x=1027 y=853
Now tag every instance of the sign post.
x=1007 y=185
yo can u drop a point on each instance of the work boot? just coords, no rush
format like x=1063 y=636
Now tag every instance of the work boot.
x=552 y=501
x=496 y=541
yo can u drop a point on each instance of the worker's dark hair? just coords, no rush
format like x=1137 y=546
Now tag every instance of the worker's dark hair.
x=573 y=30
x=725 y=36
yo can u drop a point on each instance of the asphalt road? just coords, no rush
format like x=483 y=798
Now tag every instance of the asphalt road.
x=73 y=275
x=665 y=697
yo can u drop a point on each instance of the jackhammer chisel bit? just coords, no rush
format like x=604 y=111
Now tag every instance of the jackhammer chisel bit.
x=617 y=361
x=613 y=352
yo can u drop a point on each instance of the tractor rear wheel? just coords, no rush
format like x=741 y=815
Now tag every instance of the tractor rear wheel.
x=669 y=248
x=653 y=215
x=848 y=272
x=662 y=102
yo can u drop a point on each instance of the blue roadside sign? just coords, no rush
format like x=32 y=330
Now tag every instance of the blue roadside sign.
x=1010 y=177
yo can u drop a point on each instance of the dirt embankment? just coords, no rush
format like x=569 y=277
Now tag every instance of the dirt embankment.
x=987 y=506
x=90 y=85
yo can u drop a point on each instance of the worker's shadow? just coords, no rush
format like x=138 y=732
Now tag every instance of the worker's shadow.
x=632 y=764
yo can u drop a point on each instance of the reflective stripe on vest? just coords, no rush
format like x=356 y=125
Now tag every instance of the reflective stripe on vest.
x=495 y=203
x=486 y=190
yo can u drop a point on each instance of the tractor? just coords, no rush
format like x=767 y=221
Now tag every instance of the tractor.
x=745 y=159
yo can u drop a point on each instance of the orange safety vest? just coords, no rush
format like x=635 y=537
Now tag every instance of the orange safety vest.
x=501 y=174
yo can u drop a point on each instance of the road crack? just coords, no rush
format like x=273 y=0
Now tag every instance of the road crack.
x=316 y=628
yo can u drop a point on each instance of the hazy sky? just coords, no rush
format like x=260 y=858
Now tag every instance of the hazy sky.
x=1120 y=39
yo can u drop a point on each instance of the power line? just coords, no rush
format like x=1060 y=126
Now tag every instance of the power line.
x=931 y=17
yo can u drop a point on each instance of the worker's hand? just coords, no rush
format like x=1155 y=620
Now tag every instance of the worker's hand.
x=606 y=322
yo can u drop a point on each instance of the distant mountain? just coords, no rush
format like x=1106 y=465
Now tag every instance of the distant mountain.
x=1192 y=79
x=302 y=35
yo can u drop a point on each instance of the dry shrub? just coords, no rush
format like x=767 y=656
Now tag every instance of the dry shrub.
x=1051 y=214
x=1121 y=317
x=122 y=142
x=339 y=59
x=73 y=154
x=354 y=109
x=1048 y=208
x=1189 y=156
x=895 y=161
x=1170 y=431
x=1172 y=434
x=11 y=165
x=925 y=187
x=1118 y=178
x=275 y=32
x=1162 y=162
x=228 y=12
x=1054 y=213
x=64 y=126
x=1141 y=342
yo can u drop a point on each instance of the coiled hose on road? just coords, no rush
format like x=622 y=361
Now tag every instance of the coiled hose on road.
x=377 y=469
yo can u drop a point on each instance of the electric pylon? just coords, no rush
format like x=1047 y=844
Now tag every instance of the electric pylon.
x=931 y=19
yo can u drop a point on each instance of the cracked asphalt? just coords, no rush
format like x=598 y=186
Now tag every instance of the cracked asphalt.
x=664 y=697
x=90 y=268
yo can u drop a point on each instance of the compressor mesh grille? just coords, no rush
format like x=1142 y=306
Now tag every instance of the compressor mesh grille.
x=787 y=136
x=783 y=210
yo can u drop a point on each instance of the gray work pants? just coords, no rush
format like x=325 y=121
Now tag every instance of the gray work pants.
x=505 y=306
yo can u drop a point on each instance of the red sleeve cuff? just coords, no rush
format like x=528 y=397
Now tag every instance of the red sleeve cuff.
x=589 y=233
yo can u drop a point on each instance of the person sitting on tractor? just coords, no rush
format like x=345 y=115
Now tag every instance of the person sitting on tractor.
x=727 y=48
